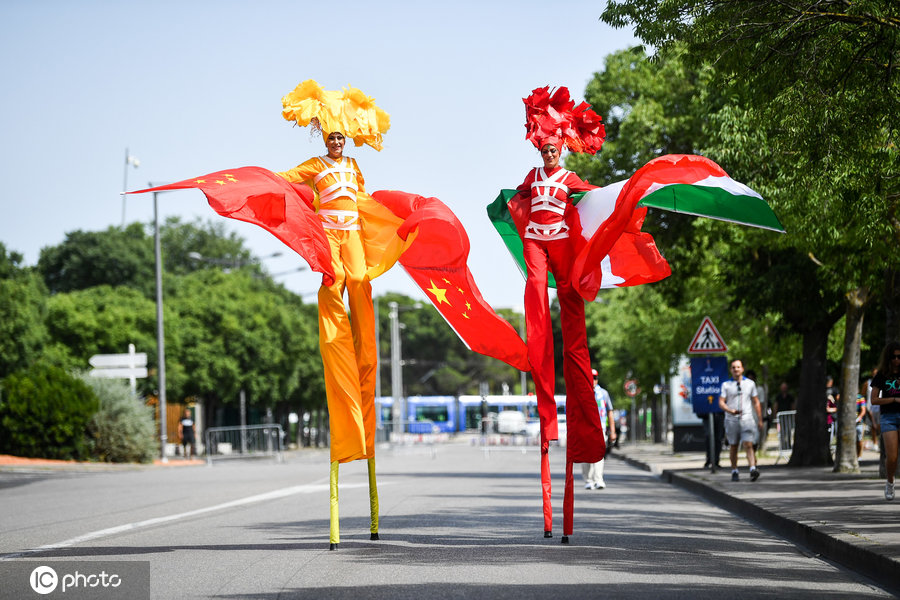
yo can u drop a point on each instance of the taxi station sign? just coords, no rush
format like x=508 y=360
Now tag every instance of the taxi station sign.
x=707 y=372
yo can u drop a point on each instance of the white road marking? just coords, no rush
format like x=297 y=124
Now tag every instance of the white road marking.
x=273 y=495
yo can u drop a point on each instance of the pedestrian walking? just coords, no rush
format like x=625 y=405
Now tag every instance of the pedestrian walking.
x=740 y=401
x=593 y=472
x=886 y=395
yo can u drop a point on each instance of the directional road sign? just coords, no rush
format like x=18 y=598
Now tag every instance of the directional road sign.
x=120 y=372
x=108 y=361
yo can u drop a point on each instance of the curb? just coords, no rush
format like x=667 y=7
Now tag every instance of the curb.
x=881 y=569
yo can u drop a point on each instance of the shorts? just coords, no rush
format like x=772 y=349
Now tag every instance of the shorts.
x=740 y=431
x=859 y=432
x=890 y=421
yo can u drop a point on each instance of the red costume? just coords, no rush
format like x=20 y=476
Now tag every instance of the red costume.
x=544 y=199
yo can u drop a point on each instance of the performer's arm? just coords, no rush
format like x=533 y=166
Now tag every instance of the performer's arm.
x=576 y=184
x=525 y=187
x=302 y=172
x=360 y=182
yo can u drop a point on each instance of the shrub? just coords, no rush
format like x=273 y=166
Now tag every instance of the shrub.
x=123 y=429
x=44 y=413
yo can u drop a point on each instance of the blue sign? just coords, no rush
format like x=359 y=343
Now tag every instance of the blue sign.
x=707 y=375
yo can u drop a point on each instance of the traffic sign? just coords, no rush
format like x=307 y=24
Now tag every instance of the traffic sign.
x=707 y=375
x=707 y=340
x=120 y=373
x=129 y=366
x=106 y=361
x=631 y=388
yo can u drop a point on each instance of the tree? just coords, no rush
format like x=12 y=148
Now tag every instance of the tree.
x=23 y=332
x=235 y=332
x=819 y=80
x=44 y=413
x=100 y=320
x=87 y=259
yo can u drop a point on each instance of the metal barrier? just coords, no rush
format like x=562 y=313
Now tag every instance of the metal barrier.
x=786 y=421
x=247 y=441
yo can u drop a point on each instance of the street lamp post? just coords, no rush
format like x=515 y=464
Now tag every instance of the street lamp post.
x=129 y=161
x=160 y=335
x=396 y=368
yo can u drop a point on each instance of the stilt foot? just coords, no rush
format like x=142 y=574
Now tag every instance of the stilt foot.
x=565 y=539
x=374 y=536
x=333 y=547
x=548 y=534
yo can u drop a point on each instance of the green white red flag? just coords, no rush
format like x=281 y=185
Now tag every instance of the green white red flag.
x=611 y=250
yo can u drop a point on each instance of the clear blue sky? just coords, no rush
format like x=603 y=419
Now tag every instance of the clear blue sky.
x=192 y=87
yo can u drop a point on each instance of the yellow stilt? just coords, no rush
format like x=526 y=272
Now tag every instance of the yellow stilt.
x=335 y=519
x=373 y=499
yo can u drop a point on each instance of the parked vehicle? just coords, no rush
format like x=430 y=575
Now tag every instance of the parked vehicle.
x=511 y=421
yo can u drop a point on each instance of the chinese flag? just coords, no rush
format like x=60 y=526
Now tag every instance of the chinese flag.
x=261 y=197
x=435 y=251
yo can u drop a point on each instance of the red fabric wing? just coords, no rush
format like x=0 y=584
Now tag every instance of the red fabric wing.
x=436 y=261
x=259 y=196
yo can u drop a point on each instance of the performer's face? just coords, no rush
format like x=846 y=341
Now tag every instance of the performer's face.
x=335 y=145
x=550 y=155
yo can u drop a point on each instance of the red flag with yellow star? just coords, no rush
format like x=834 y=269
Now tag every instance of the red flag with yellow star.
x=435 y=252
x=259 y=196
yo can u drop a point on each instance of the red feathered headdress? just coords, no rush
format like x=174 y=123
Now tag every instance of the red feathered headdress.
x=554 y=119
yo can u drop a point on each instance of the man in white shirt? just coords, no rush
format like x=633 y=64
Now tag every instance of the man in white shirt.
x=740 y=401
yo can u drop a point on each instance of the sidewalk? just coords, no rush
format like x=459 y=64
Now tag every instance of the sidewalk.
x=843 y=517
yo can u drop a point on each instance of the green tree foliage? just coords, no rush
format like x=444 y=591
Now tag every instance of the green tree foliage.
x=236 y=332
x=100 y=320
x=436 y=362
x=44 y=413
x=815 y=91
x=201 y=244
x=87 y=259
x=23 y=332
x=123 y=429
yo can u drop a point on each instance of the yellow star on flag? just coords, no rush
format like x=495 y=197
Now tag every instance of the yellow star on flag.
x=200 y=181
x=220 y=182
x=440 y=294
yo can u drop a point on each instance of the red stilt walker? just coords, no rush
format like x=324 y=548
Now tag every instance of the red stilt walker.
x=545 y=216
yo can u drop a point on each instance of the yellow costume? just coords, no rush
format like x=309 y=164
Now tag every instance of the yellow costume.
x=349 y=355
x=347 y=344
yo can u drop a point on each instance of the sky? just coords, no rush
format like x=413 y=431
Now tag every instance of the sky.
x=192 y=87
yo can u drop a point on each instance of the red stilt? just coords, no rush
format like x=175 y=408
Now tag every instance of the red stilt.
x=568 y=502
x=545 y=490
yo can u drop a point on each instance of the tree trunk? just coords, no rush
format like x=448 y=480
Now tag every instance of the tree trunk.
x=845 y=454
x=811 y=434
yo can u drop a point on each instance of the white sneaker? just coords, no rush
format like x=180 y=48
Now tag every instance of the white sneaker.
x=889 y=490
x=600 y=486
x=589 y=486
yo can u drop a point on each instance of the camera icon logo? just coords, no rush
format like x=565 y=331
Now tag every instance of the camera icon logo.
x=44 y=580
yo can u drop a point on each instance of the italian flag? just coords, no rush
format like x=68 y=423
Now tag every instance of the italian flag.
x=610 y=248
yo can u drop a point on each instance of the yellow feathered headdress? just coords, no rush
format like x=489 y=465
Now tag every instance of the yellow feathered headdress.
x=349 y=112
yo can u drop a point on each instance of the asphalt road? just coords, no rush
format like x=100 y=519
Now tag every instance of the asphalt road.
x=456 y=522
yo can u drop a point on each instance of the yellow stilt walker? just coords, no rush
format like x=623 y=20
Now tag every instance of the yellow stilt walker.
x=347 y=342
